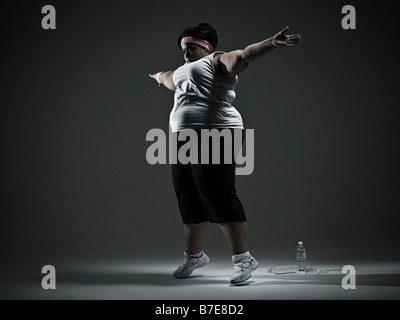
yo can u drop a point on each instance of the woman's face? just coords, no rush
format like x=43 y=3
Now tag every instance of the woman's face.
x=192 y=52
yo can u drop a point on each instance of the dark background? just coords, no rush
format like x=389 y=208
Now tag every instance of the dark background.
x=77 y=102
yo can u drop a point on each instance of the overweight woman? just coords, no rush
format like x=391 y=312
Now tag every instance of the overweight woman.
x=204 y=92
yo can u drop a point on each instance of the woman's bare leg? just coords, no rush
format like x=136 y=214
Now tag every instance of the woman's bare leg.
x=194 y=236
x=236 y=236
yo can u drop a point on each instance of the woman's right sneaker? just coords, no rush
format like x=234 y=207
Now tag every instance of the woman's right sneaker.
x=244 y=265
x=190 y=263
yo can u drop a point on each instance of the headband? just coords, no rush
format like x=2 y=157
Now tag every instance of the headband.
x=200 y=42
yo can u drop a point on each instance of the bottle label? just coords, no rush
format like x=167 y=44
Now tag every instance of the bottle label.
x=301 y=256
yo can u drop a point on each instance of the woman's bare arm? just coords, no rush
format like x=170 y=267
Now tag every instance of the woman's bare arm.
x=234 y=62
x=165 y=78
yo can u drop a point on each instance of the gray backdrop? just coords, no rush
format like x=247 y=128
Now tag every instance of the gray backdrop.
x=77 y=102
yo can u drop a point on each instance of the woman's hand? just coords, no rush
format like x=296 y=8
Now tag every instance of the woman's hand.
x=283 y=40
x=156 y=76
x=164 y=78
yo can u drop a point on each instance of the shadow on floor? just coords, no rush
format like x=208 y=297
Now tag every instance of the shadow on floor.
x=165 y=279
x=155 y=279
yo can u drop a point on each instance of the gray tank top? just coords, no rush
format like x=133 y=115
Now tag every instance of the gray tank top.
x=202 y=99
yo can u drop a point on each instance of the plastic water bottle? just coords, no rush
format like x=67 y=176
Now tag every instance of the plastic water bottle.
x=286 y=269
x=301 y=257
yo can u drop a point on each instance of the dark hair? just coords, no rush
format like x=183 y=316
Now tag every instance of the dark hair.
x=203 y=31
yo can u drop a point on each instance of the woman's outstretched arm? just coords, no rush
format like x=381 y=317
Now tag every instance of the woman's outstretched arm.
x=234 y=62
x=165 y=78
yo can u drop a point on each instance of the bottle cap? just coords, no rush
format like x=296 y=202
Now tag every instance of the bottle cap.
x=300 y=242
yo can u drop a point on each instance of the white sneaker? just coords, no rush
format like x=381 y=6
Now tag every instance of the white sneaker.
x=244 y=265
x=190 y=263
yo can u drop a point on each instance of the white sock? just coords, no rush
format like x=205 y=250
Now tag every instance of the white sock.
x=196 y=255
x=246 y=254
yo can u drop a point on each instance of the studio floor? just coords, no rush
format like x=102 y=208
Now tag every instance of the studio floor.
x=153 y=280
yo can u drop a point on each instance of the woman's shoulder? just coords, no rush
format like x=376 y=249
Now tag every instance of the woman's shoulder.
x=216 y=56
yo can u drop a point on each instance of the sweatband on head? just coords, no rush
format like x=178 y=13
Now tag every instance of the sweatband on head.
x=200 y=42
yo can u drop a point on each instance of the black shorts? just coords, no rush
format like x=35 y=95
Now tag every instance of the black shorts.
x=207 y=192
